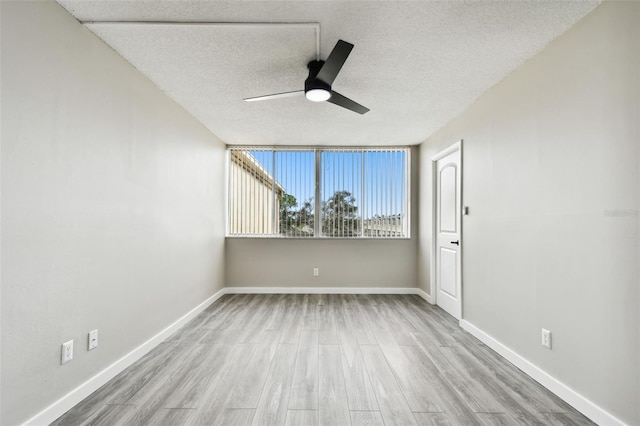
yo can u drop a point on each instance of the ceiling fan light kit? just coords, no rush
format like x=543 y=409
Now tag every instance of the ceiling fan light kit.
x=317 y=87
x=317 y=95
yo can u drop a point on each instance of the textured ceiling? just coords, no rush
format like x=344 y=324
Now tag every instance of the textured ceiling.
x=416 y=64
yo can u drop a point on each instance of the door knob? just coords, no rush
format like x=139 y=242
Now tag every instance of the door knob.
x=456 y=242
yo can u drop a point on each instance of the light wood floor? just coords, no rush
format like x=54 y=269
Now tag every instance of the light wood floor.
x=322 y=359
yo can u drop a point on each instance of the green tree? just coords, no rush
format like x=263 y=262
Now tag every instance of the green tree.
x=339 y=215
x=305 y=217
x=287 y=218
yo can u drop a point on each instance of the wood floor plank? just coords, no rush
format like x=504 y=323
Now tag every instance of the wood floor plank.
x=236 y=315
x=128 y=383
x=565 y=419
x=305 y=387
x=469 y=374
x=250 y=312
x=496 y=419
x=360 y=395
x=202 y=372
x=225 y=336
x=332 y=404
x=393 y=406
x=434 y=419
x=274 y=399
x=440 y=317
x=327 y=332
x=349 y=310
x=451 y=402
x=120 y=389
x=365 y=330
x=432 y=334
x=250 y=331
x=247 y=389
x=337 y=311
x=215 y=398
x=177 y=374
x=517 y=382
x=365 y=336
x=95 y=414
x=460 y=380
x=517 y=403
x=279 y=312
x=328 y=336
x=371 y=319
x=417 y=388
x=422 y=321
x=366 y=418
x=108 y=415
x=400 y=306
x=398 y=325
x=172 y=416
x=309 y=315
x=236 y=417
x=439 y=327
x=189 y=335
x=302 y=418
x=209 y=317
x=293 y=321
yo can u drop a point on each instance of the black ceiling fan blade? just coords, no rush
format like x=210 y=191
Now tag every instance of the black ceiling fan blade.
x=275 y=96
x=337 y=99
x=334 y=62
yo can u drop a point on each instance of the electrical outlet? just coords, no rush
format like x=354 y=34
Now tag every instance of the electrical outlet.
x=316 y=272
x=67 y=352
x=93 y=339
x=546 y=338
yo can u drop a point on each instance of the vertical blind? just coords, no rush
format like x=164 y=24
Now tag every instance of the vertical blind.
x=328 y=192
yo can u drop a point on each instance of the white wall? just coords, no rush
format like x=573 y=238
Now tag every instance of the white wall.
x=112 y=212
x=273 y=262
x=551 y=156
x=343 y=263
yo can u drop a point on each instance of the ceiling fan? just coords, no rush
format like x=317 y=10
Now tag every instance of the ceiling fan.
x=317 y=87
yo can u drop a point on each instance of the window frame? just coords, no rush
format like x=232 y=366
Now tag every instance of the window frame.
x=318 y=150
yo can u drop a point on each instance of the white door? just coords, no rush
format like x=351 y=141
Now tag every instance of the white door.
x=447 y=212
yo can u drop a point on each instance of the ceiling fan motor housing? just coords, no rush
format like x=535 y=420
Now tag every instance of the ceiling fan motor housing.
x=312 y=83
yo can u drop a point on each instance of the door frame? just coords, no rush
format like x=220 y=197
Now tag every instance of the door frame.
x=457 y=146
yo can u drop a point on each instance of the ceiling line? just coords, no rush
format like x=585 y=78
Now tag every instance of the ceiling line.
x=314 y=25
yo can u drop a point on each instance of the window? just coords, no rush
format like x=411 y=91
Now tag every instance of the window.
x=313 y=192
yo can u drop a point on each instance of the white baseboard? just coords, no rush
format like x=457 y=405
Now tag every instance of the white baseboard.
x=321 y=290
x=420 y=292
x=570 y=396
x=64 y=404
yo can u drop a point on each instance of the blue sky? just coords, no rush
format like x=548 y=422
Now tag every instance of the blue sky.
x=383 y=192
